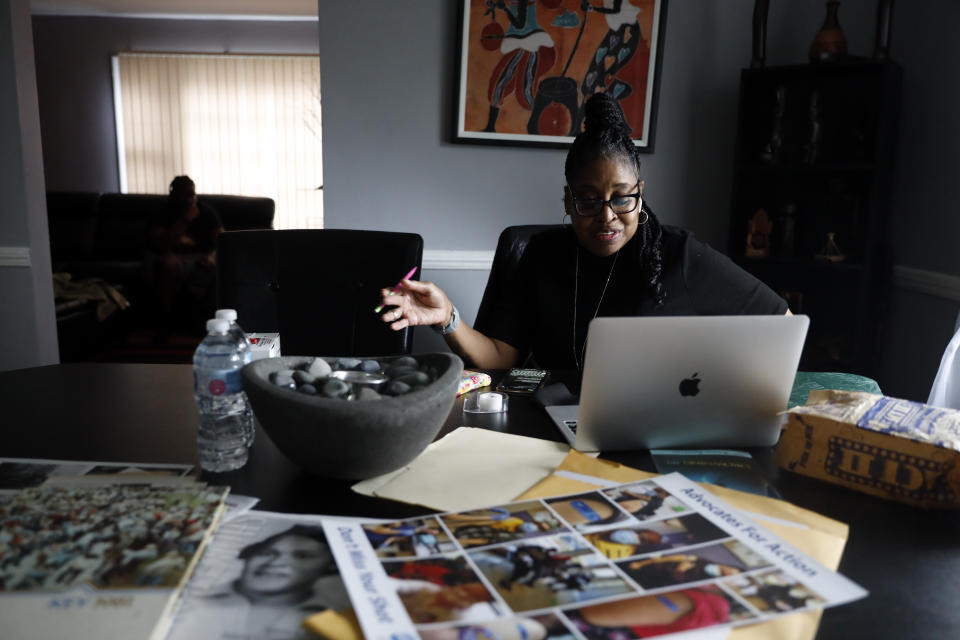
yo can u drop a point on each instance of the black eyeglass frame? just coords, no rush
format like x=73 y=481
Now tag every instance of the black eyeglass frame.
x=602 y=204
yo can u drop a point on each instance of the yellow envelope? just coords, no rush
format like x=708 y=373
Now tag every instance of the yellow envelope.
x=331 y=625
x=820 y=537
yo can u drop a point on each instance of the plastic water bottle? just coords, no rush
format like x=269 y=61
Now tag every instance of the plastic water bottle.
x=240 y=337
x=223 y=410
x=230 y=315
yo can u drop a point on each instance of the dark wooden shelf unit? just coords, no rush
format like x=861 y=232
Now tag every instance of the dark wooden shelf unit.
x=820 y=140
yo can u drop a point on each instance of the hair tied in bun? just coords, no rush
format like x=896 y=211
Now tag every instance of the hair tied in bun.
x=603 y=112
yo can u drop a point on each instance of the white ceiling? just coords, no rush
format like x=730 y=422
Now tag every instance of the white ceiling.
x=290 y=9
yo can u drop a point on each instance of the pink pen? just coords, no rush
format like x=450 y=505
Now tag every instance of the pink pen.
x=396 y=288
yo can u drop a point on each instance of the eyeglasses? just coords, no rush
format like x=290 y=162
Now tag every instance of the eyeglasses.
x=620 y=205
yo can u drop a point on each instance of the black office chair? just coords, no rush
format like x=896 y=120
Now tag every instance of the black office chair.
x=513 y=240
x=317 y=288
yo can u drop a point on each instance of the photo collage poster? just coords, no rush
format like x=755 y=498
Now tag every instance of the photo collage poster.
x=649 y=558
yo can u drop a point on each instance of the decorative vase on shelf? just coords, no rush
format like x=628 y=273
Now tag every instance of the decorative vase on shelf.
x=830 y=43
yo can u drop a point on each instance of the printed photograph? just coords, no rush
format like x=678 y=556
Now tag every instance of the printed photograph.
x=18 y=473
x=496 y=525
x=721 y=467
x=409 y=538
x=441 y=589
x=550 y=571
x=646 y=500
x=702 y=563
x=774 y=592
x=548 y=627
x=259 y=579
x=111 y=537
x=649 y=616
x=672 y=533
x=110 y=469
x=588 y=511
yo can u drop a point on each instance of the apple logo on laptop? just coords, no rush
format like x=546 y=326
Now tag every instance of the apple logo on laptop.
x=690 y=386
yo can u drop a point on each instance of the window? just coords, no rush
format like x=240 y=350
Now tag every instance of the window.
x=236 y=124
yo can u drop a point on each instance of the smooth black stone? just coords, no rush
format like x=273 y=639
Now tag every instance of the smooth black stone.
x=396 y=388
x=334 y=388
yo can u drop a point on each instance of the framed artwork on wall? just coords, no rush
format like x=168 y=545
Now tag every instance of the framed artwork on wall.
x=528 y=66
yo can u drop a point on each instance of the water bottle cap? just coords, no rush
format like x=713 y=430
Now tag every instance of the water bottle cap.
x=227 y=314
x=217 y=325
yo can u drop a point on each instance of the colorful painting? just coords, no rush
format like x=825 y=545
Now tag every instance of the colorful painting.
x=528 y=66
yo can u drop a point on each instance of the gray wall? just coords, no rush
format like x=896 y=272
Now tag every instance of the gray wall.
x=75 y=84
x=26 y=313
x=389 y=77
x=924 y=225
x=389 y=162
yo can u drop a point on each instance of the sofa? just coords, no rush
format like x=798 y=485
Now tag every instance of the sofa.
x=103 y=236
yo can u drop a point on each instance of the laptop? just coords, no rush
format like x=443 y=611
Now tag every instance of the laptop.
x=690 y=381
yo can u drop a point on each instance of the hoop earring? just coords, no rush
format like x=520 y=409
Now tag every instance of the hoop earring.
x=566 y=212
x=646 y=218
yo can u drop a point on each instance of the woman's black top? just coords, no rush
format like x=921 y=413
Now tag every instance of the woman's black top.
x=535 y=311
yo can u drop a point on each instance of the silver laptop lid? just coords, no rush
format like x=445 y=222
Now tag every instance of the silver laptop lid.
x=653 y=382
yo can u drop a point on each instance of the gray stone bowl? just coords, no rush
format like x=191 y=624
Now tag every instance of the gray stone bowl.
x=351 y=439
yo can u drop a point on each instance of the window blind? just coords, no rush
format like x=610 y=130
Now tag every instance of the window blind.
x=236 y=124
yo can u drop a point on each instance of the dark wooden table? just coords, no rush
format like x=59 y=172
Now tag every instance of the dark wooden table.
x=909 y=559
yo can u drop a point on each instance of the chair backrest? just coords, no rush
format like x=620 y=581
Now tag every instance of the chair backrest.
x=239 y=213
x=317 y=288
x=510 y=246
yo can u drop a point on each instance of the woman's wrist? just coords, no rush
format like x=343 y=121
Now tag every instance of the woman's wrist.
x=450 y=324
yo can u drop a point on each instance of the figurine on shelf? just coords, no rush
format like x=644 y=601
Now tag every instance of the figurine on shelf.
x=830 y=251
x=815 y=123
x=759 y=229
x=787 y=232
x=771 y=150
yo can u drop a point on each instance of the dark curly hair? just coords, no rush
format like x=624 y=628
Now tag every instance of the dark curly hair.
x=606 y=134
x=180 y=182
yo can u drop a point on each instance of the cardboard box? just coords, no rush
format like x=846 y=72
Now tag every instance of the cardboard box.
x=264 y=345
x=886 y=447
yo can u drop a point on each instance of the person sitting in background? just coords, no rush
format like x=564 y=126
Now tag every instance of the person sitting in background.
x=181 y=251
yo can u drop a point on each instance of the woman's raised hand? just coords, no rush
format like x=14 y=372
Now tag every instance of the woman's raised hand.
x=417 y=303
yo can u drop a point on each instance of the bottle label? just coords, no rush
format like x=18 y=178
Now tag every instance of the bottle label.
x=218 y=382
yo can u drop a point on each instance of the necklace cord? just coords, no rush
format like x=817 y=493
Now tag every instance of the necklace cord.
x=576 y=278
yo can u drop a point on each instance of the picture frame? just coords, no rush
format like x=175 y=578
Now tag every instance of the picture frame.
x=524 y=75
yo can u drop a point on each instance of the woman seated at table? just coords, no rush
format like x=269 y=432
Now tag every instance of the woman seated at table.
x=614 y=259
